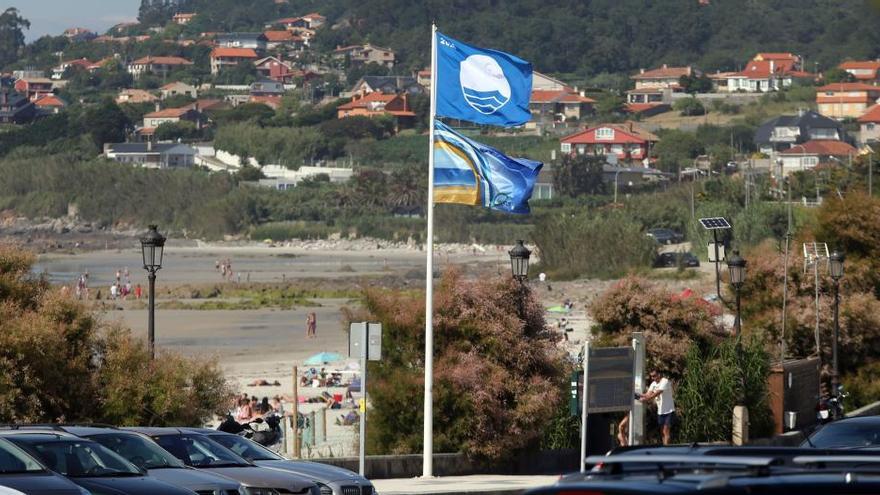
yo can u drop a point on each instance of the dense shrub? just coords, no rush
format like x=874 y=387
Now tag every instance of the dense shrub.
x=498 y=375
x=59 y=363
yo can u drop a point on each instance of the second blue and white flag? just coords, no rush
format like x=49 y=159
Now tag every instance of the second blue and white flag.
x=481 y=85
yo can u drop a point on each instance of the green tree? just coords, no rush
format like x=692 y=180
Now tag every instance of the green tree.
x=11 y=35
x=695 y=84
x=837 y=75
x=106 y=123
x=689 y=107
x=575 y=175
x=610 y=105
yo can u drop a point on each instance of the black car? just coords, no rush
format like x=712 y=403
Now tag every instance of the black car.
x=331 y=480
x=713 y=474
x=22 y=472
x=201 y=452
x=666 y=236
x=141 y=451
x=670 y=260
x=858 y=432
x=89 y=464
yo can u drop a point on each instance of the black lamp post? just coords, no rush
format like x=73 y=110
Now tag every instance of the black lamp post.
x=737 y=266
x=519 y=261
x=152 y=248
x=835 y=266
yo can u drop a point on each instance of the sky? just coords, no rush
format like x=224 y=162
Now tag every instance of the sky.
x=54 y=16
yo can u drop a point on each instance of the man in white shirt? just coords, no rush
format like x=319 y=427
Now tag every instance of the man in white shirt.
x=660 y=391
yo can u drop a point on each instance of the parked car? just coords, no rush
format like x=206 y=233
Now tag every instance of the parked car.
x=858 y=432
x=331 y=480
x=666 y=260
x=22 y=473
x=141 y=451
x=89 y=464
x=666 y=236
x=201 y=452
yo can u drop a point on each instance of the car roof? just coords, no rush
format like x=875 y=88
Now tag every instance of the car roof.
x=202 y=431
x=154 y=431
x=869 y=420
x=40 y=436
x=87 y=431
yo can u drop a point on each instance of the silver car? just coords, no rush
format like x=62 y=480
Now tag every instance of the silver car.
x=141 y=451
x=331 y=480
x=203 y=453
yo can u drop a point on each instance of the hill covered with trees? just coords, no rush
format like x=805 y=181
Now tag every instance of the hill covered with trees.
x=580 y=37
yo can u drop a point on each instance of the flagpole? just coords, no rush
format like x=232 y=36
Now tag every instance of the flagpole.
x=428 y=454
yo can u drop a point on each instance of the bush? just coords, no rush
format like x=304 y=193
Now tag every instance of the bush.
x=498 y=374
x=689 y=107
x=713 y=384
x=589 y=244
x=59 y=363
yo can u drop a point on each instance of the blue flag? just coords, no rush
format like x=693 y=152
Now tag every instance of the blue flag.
x=480 y=85
x=467 y=172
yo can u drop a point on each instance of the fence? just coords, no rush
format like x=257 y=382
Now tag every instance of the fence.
x=321 y=434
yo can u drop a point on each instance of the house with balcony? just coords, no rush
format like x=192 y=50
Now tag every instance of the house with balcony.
x=178 y=88
x=308 y=21
x=377 y=104
x=34 y=87
x=284 y=39
x=766 y=72
x=866 y=71
x=151 y=155
x=253 y=41
x=846 y=100
x=222 y=58
x=365 y=54
x=812 y=154
x=388 y=85
x=869 y=125
x=159 y=66
x=657 y=85
x=626 y=142
x=188 y=113
x=551 y=106
x=15 y=108
x=785 y=131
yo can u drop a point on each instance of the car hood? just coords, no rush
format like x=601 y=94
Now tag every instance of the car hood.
x=263 y=478
x=193 y=479
x=39 y=484
x=135 y=485
x=317 y=471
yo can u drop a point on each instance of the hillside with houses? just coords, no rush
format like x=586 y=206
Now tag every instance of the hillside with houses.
x=288 y=93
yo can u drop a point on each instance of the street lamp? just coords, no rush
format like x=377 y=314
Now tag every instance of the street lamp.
x=152 y=248
x=835 y=266
x=519 y=261
x=737 y=266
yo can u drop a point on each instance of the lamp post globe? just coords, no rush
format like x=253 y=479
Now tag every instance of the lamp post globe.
x=737 y=266
x=152 y=250
x=835 y=265
x=519 y=261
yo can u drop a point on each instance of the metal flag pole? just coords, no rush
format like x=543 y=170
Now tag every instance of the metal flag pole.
x=428 y=453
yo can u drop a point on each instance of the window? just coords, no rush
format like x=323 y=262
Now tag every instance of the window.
x=566 y=147
x=870 y=127
x=605 y=133
x=809 y=161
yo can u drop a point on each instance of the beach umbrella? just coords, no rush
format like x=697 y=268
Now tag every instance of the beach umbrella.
x=323 y=357
x=557 y=309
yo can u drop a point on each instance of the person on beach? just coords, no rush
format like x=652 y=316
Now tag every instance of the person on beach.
x=244 y=413
x=312 y=325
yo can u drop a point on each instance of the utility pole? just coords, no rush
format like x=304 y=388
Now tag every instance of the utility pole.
x=788 y=234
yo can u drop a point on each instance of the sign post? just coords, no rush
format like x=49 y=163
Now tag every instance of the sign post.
x=365 y=344
x=637 y=416
x=608 y=385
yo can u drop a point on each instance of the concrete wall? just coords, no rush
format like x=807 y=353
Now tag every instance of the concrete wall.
x=410 y=466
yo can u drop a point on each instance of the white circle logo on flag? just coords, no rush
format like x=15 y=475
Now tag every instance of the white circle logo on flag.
x=483 y=83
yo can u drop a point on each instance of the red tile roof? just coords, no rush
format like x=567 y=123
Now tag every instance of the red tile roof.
x=162 y=60
x=50 y=100
x=643 y=107
x=369 y=98
x=859 y=64
x=760 y=69
x=872 y=115
x=271 y=101
x=169 y=113
x=775 y=56
x=558 y=96
x=276 y=36
x=663 y=73
x=628 y=132
x=233 y=52
x=852 y=86
x=821 y=147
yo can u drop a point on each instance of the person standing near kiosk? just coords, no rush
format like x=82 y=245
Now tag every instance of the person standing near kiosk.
x=660 y=391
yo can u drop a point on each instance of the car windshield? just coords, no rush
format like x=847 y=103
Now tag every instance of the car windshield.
x=79 y=459
x=846 y=435
x=199 y=451
x=14 y=460
x=138 y=450
x=246 y=448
